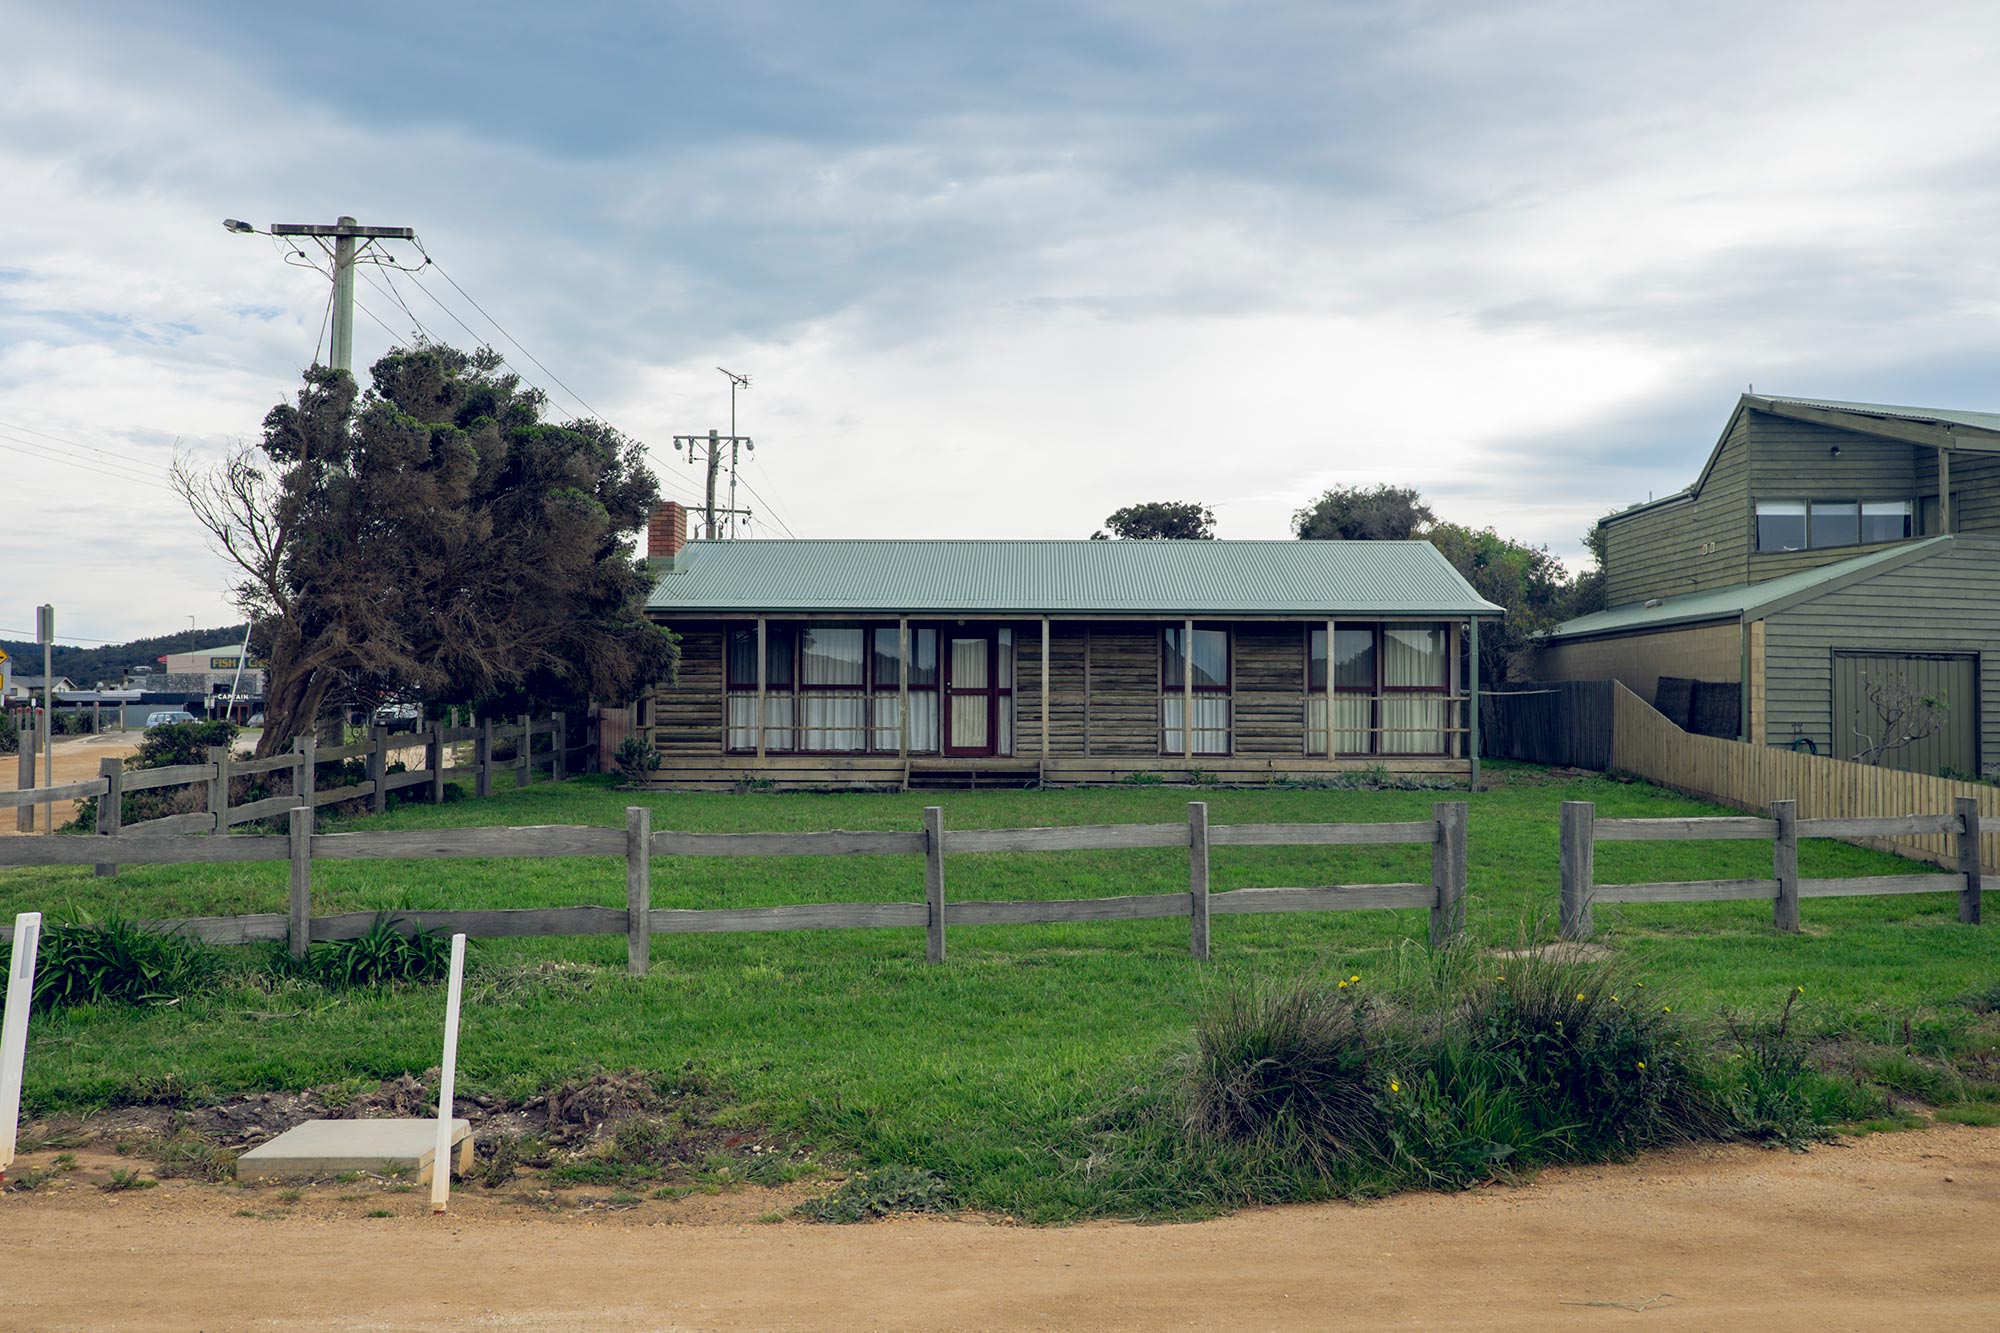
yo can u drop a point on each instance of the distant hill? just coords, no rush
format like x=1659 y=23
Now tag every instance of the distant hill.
x=107 y=662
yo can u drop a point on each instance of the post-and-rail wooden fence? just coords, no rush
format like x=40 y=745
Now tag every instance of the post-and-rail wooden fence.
x=1582 y=831
x=114 y=780
x=637 y=844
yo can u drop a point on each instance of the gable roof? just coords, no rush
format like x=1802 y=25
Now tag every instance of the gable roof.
x=1747 y=601
x=1949 y=428
x=1068 y=578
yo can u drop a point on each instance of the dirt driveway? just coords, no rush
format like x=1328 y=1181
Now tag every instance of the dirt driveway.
x=1887 y=1232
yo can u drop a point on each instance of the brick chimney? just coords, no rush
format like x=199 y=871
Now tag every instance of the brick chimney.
x=667 y=533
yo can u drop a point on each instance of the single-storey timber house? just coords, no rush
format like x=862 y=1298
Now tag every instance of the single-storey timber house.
x=935 y=663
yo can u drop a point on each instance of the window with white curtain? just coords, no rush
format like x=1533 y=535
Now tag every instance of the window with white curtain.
x=1389 y=690
x=1212 y=703
x=831 y=688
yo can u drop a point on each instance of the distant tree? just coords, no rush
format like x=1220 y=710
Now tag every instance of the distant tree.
x=435 y=538
x=1587 y=590
x=1364 y=513
x=1528 y=580
x=1156 y=520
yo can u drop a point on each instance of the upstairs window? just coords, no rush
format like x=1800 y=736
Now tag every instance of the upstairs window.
x=1798 y=525
x=1781 y=525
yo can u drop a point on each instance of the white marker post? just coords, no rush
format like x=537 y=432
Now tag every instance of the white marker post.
x=447 y=1073
x=14 y=1031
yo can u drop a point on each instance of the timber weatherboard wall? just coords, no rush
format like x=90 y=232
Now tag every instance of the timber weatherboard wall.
x=1712 y=651
x=1707 y=538
x=1946 y=603
x=1688 y=544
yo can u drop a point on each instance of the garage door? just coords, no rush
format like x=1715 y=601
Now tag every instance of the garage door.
x=1858 y=718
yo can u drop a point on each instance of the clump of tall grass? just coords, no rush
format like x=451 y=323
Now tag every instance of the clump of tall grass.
x=1462 y=1068
x=1289 y=1068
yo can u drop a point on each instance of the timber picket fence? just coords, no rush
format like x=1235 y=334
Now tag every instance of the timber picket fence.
x=1581 y=831
x=638 y=920
x=115 y=781
x=1646 y=744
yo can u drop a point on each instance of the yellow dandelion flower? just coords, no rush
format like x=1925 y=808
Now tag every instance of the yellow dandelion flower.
x=1394 y=1086
x=1642 y=1064
x=1357 y=977
x=1614 y=999
x=1666 y=1009
x=1579 y=995
x=1343 y=985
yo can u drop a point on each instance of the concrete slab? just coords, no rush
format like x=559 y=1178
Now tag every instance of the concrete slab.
x=328 y=1147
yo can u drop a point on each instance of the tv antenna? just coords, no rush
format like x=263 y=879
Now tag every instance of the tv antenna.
x=736 y=382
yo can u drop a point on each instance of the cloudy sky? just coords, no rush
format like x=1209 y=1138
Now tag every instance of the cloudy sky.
x=994 y=270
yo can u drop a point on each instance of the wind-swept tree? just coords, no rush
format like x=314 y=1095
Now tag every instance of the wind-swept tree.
x=434 y=536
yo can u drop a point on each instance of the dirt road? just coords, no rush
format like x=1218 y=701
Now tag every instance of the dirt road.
x=1888 y=1232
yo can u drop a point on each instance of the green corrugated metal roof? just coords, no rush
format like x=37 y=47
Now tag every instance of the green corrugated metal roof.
x=1946 y=416
x=1069 y=577
x=1735 y=600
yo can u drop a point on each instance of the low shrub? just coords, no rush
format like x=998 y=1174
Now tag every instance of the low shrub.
x=10 y=734
x=118 y=960
x=879 y=1193
x=637 y=759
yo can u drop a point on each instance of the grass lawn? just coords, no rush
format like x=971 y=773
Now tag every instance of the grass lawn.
x=986 y=1070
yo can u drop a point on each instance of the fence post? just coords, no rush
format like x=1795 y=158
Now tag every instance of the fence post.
x=378 y=769
x=1198 y=879
x=111 y=805
x=434 y=757
x=1785 y=866
x=559 y=725
x=1968 y=859
x=484 y=745
x=1448 y=872
x=24 y=815
x=305 y=781
x=638 y=889
x=934 y=880
x=218 y=788
x=298 y=930
x=1578 y=856
x=525 y=748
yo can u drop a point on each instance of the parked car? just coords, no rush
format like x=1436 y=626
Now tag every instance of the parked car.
x=398 y=717
x=167 y=717
x=257 y=720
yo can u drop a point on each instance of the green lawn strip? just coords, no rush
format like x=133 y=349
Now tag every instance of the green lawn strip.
x=994 y=1070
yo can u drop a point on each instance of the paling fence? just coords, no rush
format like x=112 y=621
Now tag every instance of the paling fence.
x=1443 y=895
x=1751 y=777
x=1582 y=831
x=536 y=743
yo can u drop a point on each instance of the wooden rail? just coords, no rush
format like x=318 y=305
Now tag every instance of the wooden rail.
x=636 y=844
x=115 y=781
x=1581 y=831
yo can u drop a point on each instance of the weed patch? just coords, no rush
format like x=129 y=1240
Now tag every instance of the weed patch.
x=879 y=1193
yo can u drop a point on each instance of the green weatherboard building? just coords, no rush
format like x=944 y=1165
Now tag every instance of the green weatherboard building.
x=1830 y=556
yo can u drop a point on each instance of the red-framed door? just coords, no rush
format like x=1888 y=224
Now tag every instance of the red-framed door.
x=971 y=712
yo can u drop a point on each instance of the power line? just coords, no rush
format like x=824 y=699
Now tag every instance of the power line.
x=770 y=509
x=51 y=457
x=503 y=332
x=72 y=444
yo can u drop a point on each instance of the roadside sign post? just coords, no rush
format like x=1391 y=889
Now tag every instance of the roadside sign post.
x=14 y=1030
x=45 y=631
x=447 y=1073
